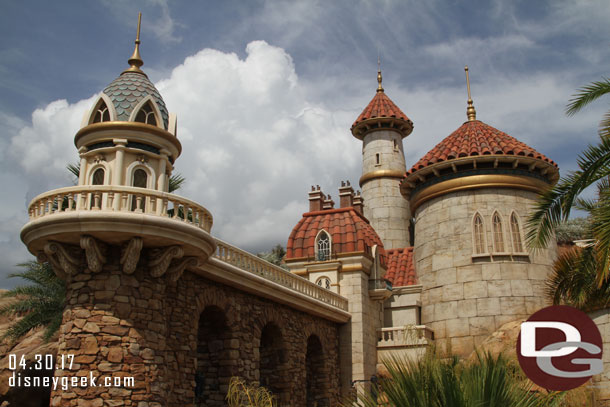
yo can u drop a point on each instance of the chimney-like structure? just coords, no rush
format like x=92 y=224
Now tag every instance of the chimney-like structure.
x=346 y=195
x=358 y=203
x=316 y=198
x=328 y=203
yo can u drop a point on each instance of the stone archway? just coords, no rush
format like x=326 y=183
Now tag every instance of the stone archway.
x=316 y=374
x=214 y=365
x=272 y=363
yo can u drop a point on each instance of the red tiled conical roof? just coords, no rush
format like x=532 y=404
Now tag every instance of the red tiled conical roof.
x=475 y=138
x=400 y=268
x=381 y=106
x=349 y=231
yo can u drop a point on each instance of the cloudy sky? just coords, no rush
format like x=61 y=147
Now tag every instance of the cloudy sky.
x=266 y=91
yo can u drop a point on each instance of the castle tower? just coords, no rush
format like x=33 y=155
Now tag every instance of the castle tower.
x=381 y=127
x=471 y=196
x=121 y=242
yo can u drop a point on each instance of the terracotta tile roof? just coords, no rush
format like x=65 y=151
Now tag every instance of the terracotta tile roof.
x=400 y=268
x=380 y=106
x=475 y=138
x=349 y=231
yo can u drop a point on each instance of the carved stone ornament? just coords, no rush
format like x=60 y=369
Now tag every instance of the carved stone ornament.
x=161 y=258
x=176 y=269
x=65 y=259
x=142 y=158
x=131 y=255
x=41 y=257
x=95 y=252
x=99 y=158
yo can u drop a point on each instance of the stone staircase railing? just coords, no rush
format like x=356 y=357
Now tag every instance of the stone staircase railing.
x=110 y=198
x=254 y=264
x=403 y=336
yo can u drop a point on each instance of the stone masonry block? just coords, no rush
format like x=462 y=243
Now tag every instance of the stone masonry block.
x=453 y=292
x=469 y=273
x=457 y=327
x=475 y=289
x=481 y=325
x=512 y=306
x=521 y=288
x=467 y=308
x=488 y=306
x=498 y=288
x=445 y=310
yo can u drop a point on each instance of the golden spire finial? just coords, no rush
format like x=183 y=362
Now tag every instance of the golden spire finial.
x=136 y=60
x=379 y=87
x=470 y=112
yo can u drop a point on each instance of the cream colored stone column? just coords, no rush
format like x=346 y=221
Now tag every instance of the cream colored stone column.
x=82 y=175
x=161 y=184
x=120 y=144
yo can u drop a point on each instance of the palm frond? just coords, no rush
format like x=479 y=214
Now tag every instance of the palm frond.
x=587 y=94
x=175 y=182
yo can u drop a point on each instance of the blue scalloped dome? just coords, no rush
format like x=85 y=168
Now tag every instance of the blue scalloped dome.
x=128 y=90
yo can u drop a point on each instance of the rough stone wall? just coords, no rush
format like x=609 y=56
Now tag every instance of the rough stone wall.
x=384 y=206
x=136 y=325
x=464 y=299
x=602 y=381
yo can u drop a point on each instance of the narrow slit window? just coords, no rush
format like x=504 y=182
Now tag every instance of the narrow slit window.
x=323 y=246
x=147 y=115
x=395 y=145
x=377 y=159
x=498 y=233
x=102 y=114
x=479 y=236
x=516 y=234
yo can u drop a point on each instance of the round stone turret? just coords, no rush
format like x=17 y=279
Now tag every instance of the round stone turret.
x=381 y=127
x=471 y=196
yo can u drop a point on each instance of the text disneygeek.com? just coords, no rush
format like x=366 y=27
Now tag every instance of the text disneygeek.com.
x=21 y=378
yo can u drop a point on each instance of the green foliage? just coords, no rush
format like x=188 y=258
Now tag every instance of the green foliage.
x=574 y=229
x=41 y=303
x=241 y=394
x=555 y=205
x=433 y=381
x=275 y=256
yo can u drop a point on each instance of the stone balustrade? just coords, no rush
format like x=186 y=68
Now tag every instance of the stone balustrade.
x=112 y=198
x=404 y=336
x=254 y=264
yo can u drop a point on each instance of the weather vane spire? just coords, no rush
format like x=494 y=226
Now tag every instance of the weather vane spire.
x=470 y=112
x=379 y=87
x=135 y=61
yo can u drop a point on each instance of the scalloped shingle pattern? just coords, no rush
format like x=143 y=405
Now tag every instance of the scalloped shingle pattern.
x=128 y=90
x=400 y=268
x=475 y=138
x=349 y=231
x=380 y=106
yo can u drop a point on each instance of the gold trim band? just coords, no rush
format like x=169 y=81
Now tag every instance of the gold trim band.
x=477 y=182
x=381 y=174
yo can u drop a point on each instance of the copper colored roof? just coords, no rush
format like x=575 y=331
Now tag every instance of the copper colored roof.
x=349 y=232
x=400 y=268
x=380 y=106
x=475 y=138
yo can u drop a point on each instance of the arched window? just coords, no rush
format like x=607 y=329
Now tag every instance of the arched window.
x=102 y=114
x=498 y=233
x=147 y=115
x=515 y=232
x=323 y=246
x=478 y=232
x=324 y=282
x=140 y=180
x=98 y=177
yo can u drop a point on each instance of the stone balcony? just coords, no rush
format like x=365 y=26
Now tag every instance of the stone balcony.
x=114 y=214
x=404 y=336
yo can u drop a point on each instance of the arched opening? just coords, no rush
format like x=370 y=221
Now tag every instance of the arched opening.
x=272 y=359
x=101 y=114
x=98 y=177
x=139 y=180
x=147 y=115
x=498 y=233
x=316 y=375
x=478 y=234
x=323 y=246
x=516 y=234
x=214 y=369
x=323 y=282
